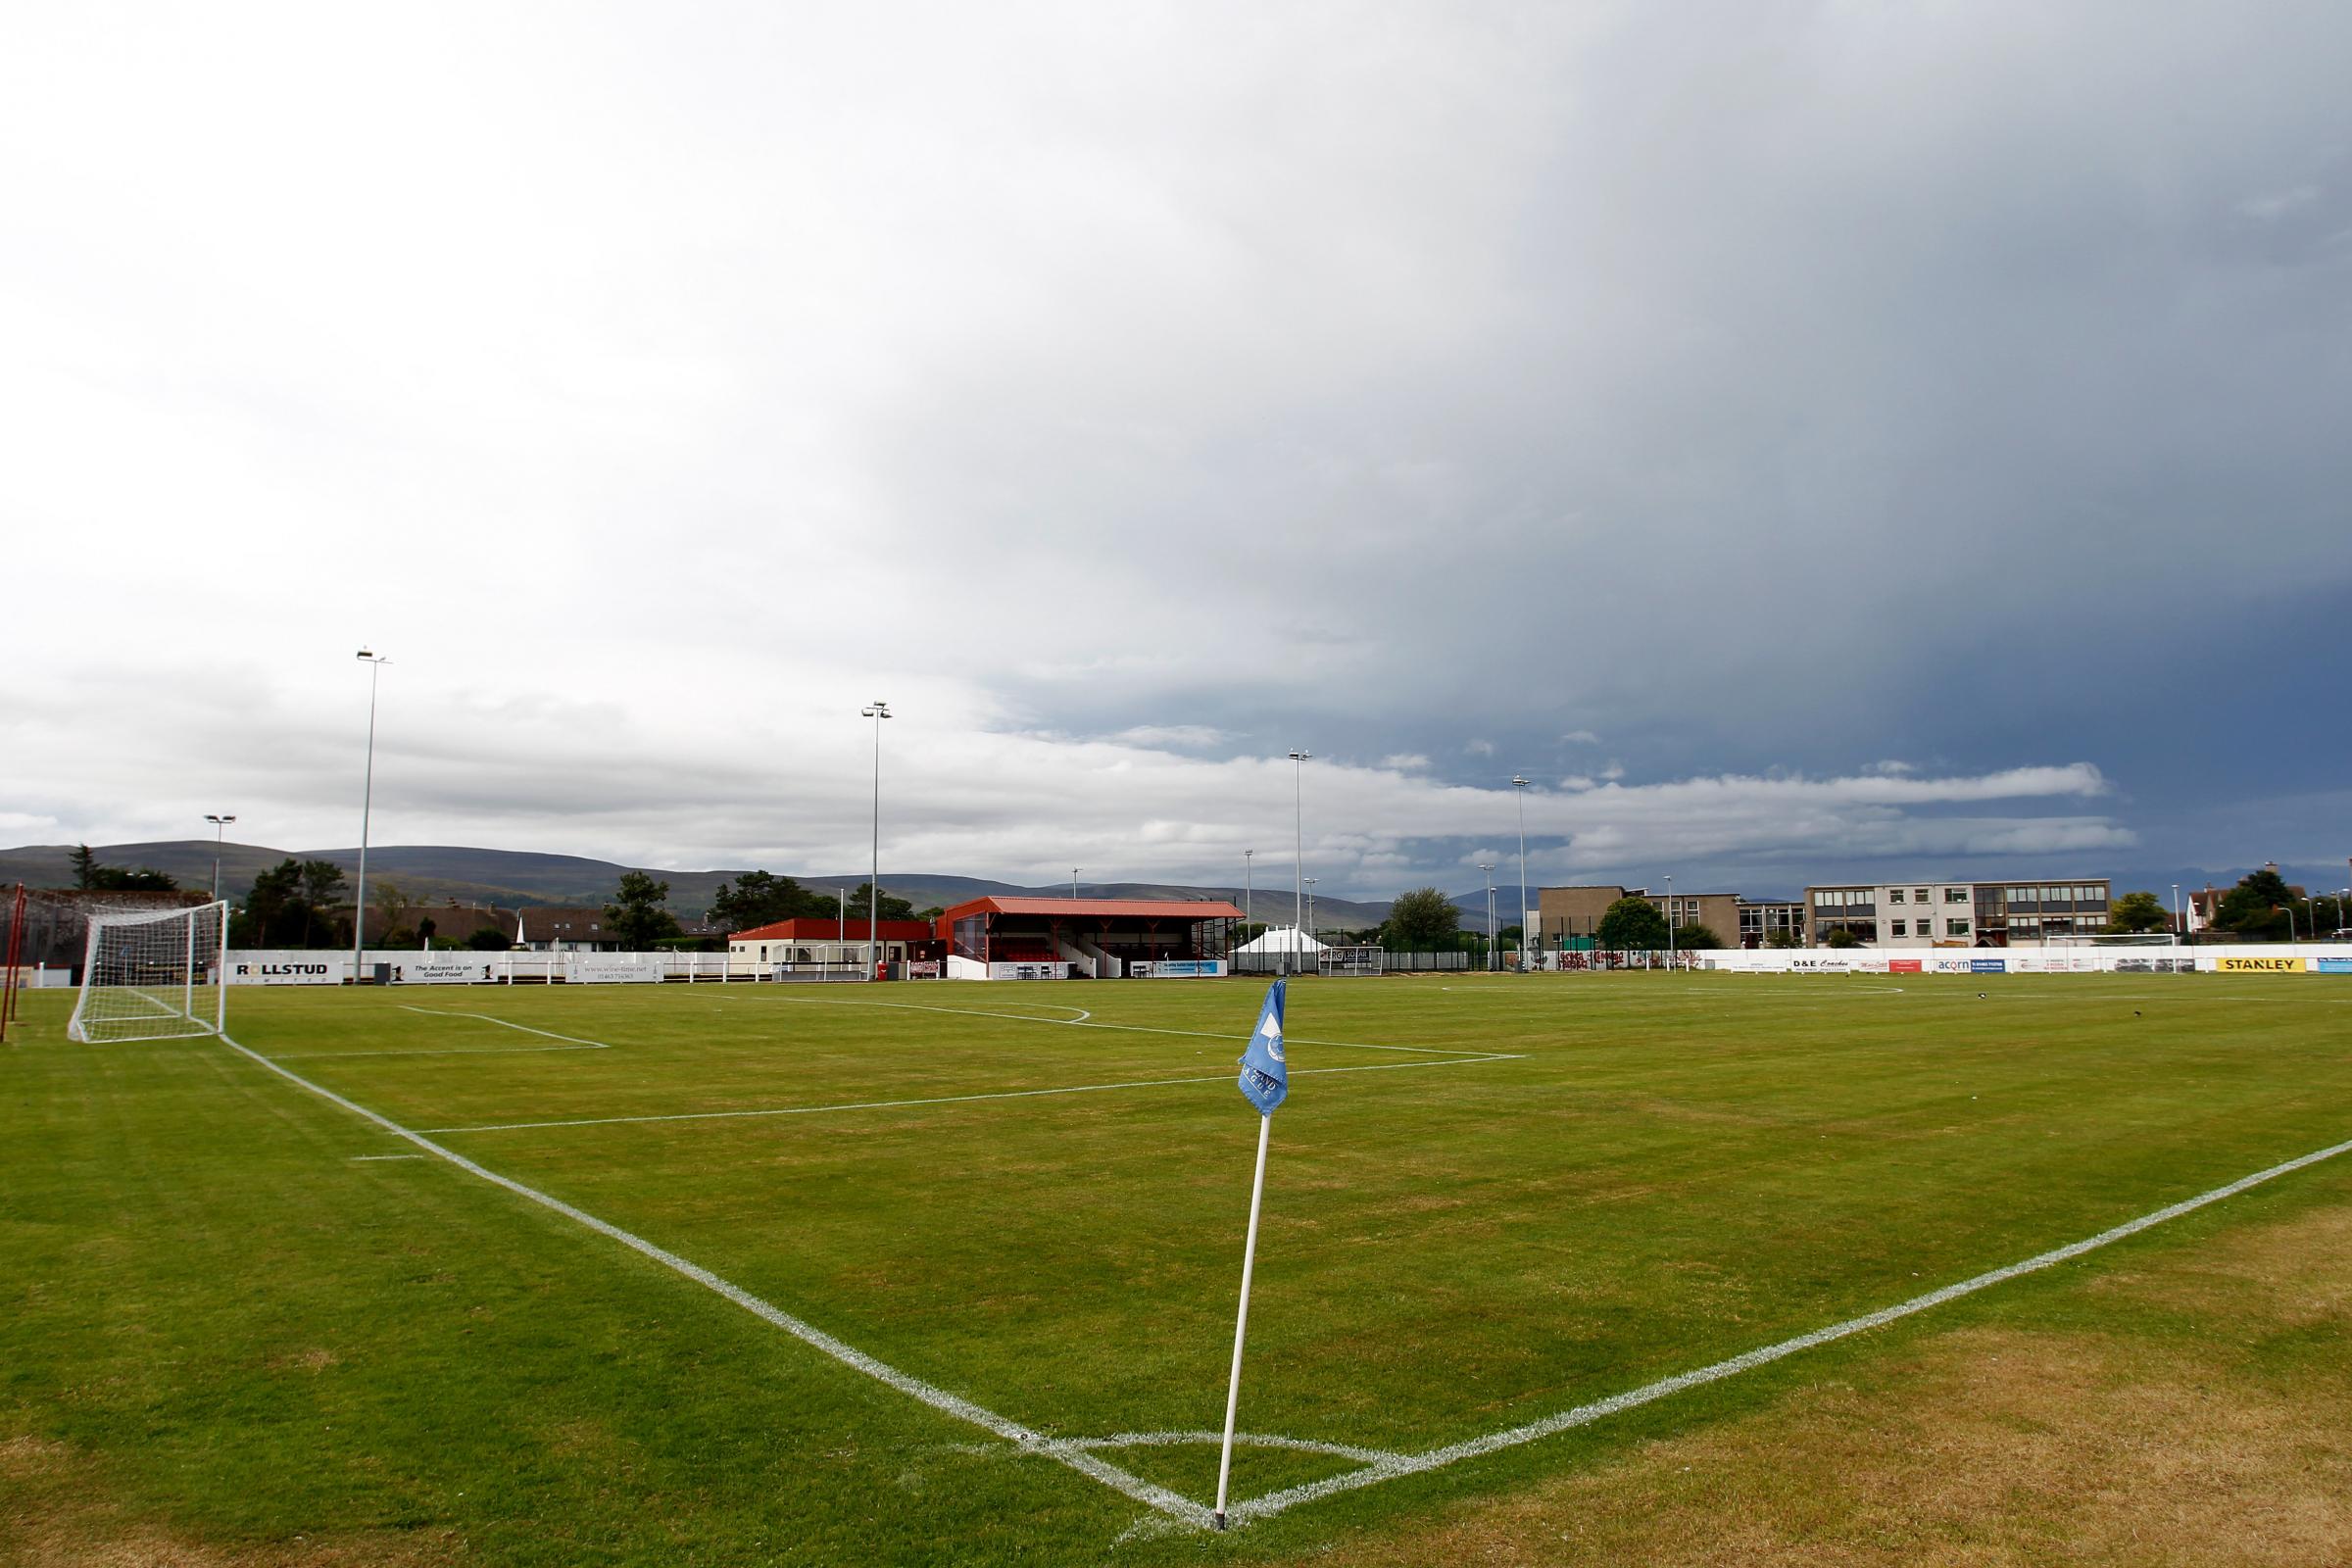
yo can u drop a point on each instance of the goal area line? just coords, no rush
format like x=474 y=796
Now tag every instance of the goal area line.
x=1082 y=1454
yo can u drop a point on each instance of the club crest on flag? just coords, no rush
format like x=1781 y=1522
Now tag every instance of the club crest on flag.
x=1265 y=1080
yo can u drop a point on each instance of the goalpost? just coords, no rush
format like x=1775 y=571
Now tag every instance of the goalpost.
x=154 y=976
x=1353 y=961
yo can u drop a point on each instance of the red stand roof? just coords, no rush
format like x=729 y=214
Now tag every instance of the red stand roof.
x=1096 y=909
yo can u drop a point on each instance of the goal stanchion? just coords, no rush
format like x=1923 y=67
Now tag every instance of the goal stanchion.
x=143 y=975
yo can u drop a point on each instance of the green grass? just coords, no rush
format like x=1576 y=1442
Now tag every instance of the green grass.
x=226 y=1326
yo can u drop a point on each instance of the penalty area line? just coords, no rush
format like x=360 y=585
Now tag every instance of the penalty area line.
x=938 y=1398
x=1087 y=1020
x=576 y=1043
x=1395 y=1467
x=946 y=1100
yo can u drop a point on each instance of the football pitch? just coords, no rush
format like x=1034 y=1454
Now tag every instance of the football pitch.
x=1657 y=1267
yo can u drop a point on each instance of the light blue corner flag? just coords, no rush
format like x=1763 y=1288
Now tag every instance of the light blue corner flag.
x=1265 y=1080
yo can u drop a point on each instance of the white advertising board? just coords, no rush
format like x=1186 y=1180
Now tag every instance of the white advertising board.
x=419 y=969
x=614 y=969
x=1057 y=970
x=295 y=967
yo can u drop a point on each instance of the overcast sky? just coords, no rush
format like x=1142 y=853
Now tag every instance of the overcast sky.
x=1804 y=440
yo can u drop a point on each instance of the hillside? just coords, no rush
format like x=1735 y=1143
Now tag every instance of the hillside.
x=438 y=873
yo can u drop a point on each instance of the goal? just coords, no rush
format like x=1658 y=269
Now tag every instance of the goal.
x=154 y=976
x=1353 y=961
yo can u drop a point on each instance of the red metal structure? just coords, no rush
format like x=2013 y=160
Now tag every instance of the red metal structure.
x=14 y=957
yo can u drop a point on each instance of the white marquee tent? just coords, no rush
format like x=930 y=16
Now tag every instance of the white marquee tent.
x=1283 y=939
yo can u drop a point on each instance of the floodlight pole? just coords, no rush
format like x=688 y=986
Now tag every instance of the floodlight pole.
x=1670 y=921
x=878 y=710
x=1519 y=793
x=1248 y=886
x=1486 y=874
x=220 y=831
x=1299 y=755
x=376 y=664
x=1074 y=870
x=1311 y=907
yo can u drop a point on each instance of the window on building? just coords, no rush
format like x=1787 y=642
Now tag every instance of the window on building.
x=1955 y=928
x=1919 y=895
x=1895 y=895
x=1955 y=895
x=1896 y=928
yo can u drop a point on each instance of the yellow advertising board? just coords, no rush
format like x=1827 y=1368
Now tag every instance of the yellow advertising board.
x=2258 y=965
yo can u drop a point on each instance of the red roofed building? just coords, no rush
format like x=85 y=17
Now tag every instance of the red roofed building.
x=1014 y=938
x=828 y=941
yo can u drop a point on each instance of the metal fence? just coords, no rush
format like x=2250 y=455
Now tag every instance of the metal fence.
x=1393 y=961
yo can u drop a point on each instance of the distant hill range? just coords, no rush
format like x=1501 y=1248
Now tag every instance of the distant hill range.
x=508 y=878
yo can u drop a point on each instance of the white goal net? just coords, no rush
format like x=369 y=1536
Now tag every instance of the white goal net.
x=1353 y=961
x=152 y=976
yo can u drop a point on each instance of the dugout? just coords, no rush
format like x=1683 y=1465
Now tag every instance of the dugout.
x=999 y=938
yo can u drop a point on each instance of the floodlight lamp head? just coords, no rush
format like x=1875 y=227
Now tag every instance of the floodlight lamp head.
x=1301 y=755
x=1518 y=783
x=875 y=710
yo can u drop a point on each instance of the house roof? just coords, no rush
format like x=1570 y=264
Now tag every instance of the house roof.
x=1099 y=909
x=828 y=929
x=574 y=923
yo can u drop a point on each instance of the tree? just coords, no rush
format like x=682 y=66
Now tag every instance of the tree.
x=894 y=907
x=89 y=876
x=1424 y=920
x=762 y=898
x=636 y=918
x=321 y=886
x=2136 y=912
x=490 y=939
x=1694 y=937
x=1782 y=938
x=392 y=906
x=1841 y=937
x=1633 y=924
x=285 y=905
x=263 y=921
x=2257 y=906
x=425 y=929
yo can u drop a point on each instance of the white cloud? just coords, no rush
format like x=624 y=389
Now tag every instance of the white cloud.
x=1190 y=736
x=661 y=385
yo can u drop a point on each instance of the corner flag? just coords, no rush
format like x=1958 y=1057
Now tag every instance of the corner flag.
x=1266 y=1083
x=1265 y=1080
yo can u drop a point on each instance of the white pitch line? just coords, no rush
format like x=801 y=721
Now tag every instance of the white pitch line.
x=577 y=1043
x=923 y=1006
x=963 y=1409
x=1087 y=1020
x=362 y=1160
x=1391 y=1468
x=949 y=1100
x=452 y=1012
x=1247 y=1440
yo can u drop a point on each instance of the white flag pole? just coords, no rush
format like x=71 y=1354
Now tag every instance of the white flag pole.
x=1241 y=1327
